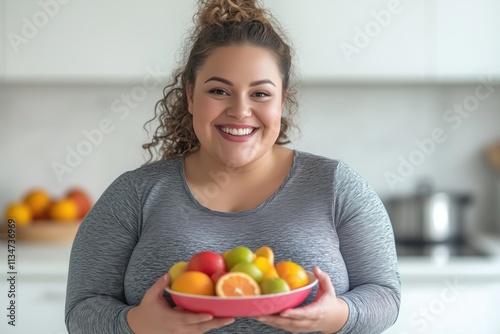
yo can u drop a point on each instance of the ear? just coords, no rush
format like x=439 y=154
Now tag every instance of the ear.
x=189 y=96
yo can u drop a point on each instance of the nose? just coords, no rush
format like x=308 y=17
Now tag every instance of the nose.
x=239 y=108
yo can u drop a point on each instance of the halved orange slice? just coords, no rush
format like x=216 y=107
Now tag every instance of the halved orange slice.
x=236 y=284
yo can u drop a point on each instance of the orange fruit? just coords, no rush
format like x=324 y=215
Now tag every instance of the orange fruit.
x=292 y=273
x=195 y=283
x=63 y=210
x=267 y=252
x=20 y=213
x=236 y=284
x=38 y=201
x=270 y=273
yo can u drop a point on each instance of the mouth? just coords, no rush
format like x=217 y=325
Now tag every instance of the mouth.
x=238 y=132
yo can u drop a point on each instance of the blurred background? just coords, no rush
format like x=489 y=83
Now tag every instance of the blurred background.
x=406 y=92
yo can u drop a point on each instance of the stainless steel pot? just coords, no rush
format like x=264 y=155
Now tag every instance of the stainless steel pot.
x=428 y=218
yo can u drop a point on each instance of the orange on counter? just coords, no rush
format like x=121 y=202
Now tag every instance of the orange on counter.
x=38 y=201
x=20 y=213
x=63 y=210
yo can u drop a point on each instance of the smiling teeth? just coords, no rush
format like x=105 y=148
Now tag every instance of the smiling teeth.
x=237 y=132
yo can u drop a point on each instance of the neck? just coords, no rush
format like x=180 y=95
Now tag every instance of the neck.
x=207 y=165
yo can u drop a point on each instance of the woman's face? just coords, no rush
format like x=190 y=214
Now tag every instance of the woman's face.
x=236 y=104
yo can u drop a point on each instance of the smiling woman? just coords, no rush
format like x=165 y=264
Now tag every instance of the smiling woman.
x=222 y=179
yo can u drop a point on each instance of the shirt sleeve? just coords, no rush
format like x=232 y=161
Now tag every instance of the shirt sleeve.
x=95 y=298
x=368 y=248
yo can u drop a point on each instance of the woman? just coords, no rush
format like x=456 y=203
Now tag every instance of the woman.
x=225 y=179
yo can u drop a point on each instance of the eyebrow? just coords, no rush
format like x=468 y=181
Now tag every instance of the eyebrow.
x=255 y=83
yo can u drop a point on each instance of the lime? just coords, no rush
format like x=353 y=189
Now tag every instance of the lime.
x=248 y=268
x=274 y=285
x=237 y=255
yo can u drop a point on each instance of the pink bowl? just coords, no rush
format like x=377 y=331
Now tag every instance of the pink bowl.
x=243 y=306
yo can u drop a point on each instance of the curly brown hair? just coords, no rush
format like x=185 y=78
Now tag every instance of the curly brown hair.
x=218 y=23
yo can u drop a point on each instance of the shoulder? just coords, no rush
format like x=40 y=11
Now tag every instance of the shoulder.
x=314 y=162
x=157 y=170
x=335 y=172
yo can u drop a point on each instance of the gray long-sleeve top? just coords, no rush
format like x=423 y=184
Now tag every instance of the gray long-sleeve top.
x=323 y=214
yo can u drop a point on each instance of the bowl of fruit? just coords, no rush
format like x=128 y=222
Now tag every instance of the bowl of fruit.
x=238 y=283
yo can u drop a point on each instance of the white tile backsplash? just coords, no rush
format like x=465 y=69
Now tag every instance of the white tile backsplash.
x=367 y=125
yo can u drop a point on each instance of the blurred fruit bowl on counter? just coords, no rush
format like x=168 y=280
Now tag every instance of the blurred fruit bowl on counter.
x=38 y=216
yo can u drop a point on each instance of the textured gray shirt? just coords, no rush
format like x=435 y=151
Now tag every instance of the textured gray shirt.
x=323 y=214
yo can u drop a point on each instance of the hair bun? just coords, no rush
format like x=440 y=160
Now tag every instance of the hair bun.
x=218 y=12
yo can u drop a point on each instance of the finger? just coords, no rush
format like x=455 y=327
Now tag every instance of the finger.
x=212 y=324
x=187 y=317
x=311 y=312
x=325 y=284
x=159 y=286
x=291 y=325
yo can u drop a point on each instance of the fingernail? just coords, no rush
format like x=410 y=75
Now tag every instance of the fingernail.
x=319 y=270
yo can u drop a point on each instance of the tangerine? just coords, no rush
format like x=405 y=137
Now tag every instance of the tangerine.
x=292 y=273
x=63 y=210
x=20 y=213
x=38 y=201
x=236 y=284
x=195 y=283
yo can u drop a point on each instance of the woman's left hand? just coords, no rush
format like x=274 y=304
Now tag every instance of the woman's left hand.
x=326 y=314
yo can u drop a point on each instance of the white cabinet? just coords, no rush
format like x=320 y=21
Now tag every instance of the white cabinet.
x=467 y=39
x=451 y=304
x=92 y=40
x=353 y=40
x=39 y=305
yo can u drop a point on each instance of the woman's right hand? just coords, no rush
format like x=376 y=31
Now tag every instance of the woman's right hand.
x=154 y=315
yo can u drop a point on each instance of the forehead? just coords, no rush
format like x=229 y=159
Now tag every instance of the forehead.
x=241 y=63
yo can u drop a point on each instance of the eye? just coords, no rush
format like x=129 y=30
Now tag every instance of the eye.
x=217 y=91
x=261 y=94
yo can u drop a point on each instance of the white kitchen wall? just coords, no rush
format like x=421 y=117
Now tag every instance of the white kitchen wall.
x=370 y=126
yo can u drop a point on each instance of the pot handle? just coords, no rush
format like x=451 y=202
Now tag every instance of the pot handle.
x=465 y=199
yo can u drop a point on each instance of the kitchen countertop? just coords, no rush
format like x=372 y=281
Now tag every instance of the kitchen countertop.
x=43 y=260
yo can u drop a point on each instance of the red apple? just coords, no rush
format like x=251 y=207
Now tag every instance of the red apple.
x=207 y=262
x=82 y=201
x=218 y=274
